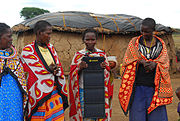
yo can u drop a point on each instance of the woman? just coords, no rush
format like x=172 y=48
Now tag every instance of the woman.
x=112 y=64
x=46 y=80
x=13 y=90
x=76 y=80
x=146 y=86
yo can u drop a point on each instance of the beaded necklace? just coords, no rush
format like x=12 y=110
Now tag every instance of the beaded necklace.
x=148 y=49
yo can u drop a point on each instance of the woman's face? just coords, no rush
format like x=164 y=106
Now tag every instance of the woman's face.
x=112 y=64
x=147 y=32
x=90 y=40
x=45 y=35
x=6 y=40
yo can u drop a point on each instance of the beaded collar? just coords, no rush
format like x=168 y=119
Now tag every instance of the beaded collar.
x=6 y=55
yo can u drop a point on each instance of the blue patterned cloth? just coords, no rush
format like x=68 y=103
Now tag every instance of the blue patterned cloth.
x=11 y=100
x=81 y=94
x=142 y=100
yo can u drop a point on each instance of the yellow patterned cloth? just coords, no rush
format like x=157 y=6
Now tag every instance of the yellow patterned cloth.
x=46 y=55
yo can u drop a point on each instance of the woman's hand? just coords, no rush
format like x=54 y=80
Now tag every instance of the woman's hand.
x=54 y=68
x=83 y=65
x=103 y=65
x=148 y=65
x=142 y=62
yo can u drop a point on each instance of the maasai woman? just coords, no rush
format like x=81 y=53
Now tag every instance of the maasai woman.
x=112 y=64
x=76 y=81
x=46 y=80
x=13 y=90
x=146 y=88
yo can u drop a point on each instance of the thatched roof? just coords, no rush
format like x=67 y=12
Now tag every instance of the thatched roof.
x=79 y=21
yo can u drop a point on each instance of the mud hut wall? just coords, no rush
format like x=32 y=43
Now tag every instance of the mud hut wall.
x=66 y=44
x=23 y=39
x=115 y=45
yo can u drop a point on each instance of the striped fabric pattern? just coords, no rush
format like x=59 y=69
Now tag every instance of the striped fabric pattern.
x=51 y=110
x=154 y=51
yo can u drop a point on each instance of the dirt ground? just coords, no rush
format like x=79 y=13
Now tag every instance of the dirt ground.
x=117 y=113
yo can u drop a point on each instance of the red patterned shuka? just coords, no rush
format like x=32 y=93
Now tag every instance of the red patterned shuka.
x=75 y=107
x=163 y=90
x=41 y=80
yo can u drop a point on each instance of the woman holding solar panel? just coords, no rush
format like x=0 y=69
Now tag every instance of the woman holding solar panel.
x=89 y=85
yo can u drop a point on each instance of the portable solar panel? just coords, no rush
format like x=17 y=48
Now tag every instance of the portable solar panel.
x=94 y=91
